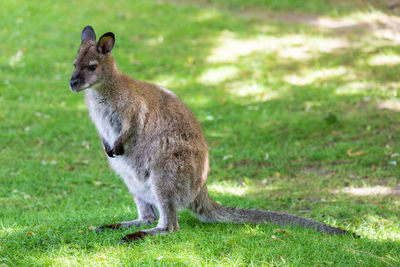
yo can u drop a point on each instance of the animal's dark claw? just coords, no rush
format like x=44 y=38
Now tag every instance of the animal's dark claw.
x=109 y=153
x=107 y=148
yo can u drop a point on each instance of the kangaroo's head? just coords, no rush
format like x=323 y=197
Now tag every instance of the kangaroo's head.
x=93 y=64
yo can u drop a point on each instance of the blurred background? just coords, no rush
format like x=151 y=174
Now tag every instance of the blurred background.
x=298 y=101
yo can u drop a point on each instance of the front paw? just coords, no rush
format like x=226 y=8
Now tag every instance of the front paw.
x=118 y=148
x=108 y=149
x=109 y=152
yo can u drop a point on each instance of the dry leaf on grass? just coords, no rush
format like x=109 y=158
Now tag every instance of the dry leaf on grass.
x=355 y=154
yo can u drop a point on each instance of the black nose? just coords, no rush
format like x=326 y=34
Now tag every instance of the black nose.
x=73 y=82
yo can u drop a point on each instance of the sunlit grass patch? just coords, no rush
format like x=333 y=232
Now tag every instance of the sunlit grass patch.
x=298 y=101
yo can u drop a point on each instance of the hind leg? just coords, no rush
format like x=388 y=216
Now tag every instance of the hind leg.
x=168 y=210
x=146 y=212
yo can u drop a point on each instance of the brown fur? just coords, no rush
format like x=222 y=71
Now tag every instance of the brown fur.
x=156 y=145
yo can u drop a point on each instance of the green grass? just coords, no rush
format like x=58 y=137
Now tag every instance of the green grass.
x=310 y=85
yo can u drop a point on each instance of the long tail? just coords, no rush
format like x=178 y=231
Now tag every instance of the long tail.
x=208 y=211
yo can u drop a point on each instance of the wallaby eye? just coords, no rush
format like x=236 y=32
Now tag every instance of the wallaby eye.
x=92 y=67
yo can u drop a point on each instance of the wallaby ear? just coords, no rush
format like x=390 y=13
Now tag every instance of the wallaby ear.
x=88 y=34
x=106 y=43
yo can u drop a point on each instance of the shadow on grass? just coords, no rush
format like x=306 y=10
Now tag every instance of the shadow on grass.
x=301 y=93
x=196 y=243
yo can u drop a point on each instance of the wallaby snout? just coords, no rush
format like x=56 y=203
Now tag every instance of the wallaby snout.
x=74 y=84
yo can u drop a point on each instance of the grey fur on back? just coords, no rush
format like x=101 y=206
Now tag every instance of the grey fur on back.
x=156 y=145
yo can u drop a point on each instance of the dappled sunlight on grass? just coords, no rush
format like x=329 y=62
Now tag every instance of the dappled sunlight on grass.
x=307 y=47
x=292 y=46
x=383 y=59
x=388 y=35
x=218 y=75
x=298 y=101
x=223 y=188
x=353 y=88
x=336 y=58
x=242 y=188
x=311 y=76
x=207 y=14
x=374 y=190
x=378 y=228
x=110 y=254
x=170 y=81
x=15 y=229
x=390 y=104
x=370 y=18
x=247 y=88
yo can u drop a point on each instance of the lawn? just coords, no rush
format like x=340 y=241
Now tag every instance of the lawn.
x=298 y=101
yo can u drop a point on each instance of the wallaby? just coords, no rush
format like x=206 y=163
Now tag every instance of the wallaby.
x=154 y=142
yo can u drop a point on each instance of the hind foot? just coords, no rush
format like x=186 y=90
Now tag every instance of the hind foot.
x=127 y=224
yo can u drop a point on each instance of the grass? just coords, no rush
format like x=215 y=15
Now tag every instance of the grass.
x=299 y=104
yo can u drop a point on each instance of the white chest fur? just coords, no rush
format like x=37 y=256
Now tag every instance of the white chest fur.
x=103 y=115
x=132 y=181
x=108 y=125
